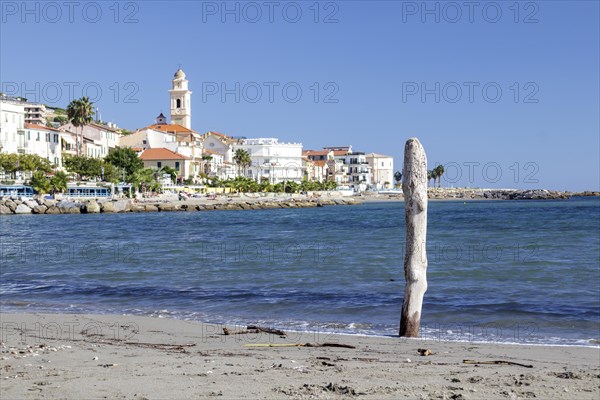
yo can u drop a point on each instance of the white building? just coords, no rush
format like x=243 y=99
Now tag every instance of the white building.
x=35 y=113
x=382 y=170
x=223 y=145
x=147 y=138
x=272 y=160
x=42 y=141
x=353 y=170
x=98 y=139
x=12 y=123
x=20 y=137
x=213 y=164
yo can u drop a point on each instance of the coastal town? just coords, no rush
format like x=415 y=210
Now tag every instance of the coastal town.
x=64 y=161
x=173 y=153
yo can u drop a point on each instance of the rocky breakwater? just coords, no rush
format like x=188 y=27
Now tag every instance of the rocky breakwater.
x=497 y=194
x=14 y=205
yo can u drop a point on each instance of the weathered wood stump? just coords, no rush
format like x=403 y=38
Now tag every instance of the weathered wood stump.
x=414 y=187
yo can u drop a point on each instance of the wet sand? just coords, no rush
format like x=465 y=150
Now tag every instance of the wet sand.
x=111 y=356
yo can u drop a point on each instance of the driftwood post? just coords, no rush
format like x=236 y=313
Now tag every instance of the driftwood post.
x=414 y=187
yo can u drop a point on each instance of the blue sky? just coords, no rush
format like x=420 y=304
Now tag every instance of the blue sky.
x=503 y=95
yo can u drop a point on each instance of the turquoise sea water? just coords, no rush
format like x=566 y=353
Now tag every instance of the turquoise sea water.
x=507 y=271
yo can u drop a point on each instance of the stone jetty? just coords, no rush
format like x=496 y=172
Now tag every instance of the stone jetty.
x=493 y=194
x=15 y=205
x=498 y=194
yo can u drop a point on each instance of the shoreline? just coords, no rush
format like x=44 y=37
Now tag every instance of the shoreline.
x=85 y=356
x=10 y=205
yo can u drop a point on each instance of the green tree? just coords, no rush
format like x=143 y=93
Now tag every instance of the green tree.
x=292 y=187
x=61 y=119
x=125 y=158
x=242 y=159
x=434 y=175
x=171 y=171
x=84 y=167
x=58 y=183
x=33 y=162
x=73 y=164
x=145 y=180
x=439 y=172
x=206 y=161
x=9 y=163
x=111 y=173
x=80 y=112
x=40 y=182
x=429 y=176
x=265 y=186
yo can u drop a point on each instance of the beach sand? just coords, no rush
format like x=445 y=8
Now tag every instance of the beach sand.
x=110 y=356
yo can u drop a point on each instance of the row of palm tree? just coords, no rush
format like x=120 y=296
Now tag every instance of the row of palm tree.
x=435 y=174
x=243 y=160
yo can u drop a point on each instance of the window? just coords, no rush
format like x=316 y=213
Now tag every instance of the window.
x=143 y=141
x=47 y=138
x=178 y=103
x=28 y=135
x=177 y=165
x=382 y=164
x=56 y=138
x=159 y=164
x=38 y=137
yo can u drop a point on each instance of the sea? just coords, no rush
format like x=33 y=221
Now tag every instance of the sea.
x=524 y=272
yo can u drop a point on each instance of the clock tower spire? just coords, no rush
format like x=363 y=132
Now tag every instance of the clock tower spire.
x=181 y=101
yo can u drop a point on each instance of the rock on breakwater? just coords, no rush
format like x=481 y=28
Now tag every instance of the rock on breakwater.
x=497 y=194
x=14 y=205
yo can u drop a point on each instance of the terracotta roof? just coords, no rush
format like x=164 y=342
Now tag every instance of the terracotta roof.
x=172 y=128
x=315 y=152
x=320 y=163
x=307 y=159
x=161 y=154
x=40 y=127
x=210 y=152
x=103 y=127
x=340 y=152
x=217 y=134
x=138 y=149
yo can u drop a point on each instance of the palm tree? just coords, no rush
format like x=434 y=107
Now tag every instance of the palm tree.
x=439 y=172
x=434 y=175
x=242 y=159
x=79 y=112
x=206 y=159
x=429 y=176
x=172 y=172
x=58 y=183
x=145 y=179
x=40 y=182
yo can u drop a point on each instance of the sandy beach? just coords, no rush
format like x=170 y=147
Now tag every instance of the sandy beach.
x=110 y=356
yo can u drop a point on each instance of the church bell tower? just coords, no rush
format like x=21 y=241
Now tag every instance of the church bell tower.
x=181 y=99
